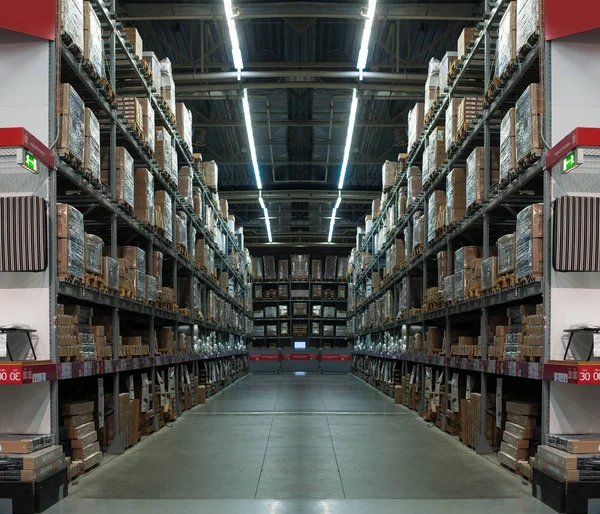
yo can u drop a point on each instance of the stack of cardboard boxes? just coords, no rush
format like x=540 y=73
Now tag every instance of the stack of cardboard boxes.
x=475 y=192
x=70 y=244
x=520 y=428
x=529 y=242
x=72 y=122
x=416 y=117
x=80 y=429
x=29 y=458
x=134 y=38
x=468 y=111
x=508 y=144
x=528 y=112
x=570 y=458
x=464 y=261
x=466 y=36
x=125 y=175
x=91 y=149
x=456 y=195
x=144 y=195
x=131 y=109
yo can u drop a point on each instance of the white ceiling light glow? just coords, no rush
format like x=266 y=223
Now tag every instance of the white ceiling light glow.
x=331 y=224
x=238 y=62
x=351 y=122
x=361 y=63
x=268 y=224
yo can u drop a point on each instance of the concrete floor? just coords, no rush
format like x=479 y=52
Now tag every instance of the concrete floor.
x=295 y=444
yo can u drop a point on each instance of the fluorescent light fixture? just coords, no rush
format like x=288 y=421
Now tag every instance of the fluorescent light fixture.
x=250 y=133
x=238 y=62
x=361 y=63
x=351 y=122
x=331 y=224
x=261 y=201
x=339 y=200
x=268 y=224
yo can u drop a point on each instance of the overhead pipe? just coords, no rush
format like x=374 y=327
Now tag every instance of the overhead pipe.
x=246 y=75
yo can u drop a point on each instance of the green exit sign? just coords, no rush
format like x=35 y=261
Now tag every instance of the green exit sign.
x=30 y=162
x=570 y=162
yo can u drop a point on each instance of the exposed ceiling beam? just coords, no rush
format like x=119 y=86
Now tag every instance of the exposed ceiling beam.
x=300 y=74
x=299 y=123
x=297 y=65
x=369 y=162
x=348 y=10
x=233 y=89
x=298 y=195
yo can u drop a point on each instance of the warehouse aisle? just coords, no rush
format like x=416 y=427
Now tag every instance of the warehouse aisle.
x=289 y=442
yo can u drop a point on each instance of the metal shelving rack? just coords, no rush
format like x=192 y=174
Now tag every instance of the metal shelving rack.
x=473 y=77
x=125 y=75
x=311 y=341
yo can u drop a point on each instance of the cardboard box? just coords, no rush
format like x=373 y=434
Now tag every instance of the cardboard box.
x=523 y=408
x=201 y=394
x=33 y=475
x=92 y=460
x=519 y=431
x=466 y=36
x=16 y=443
x=87 y=451
x=566 y=475
x=38 y=459
x=576 y=443
x=515 y=441
x=398 y=394
x=85 y=440
x=519 y=419
x=81 y=430
x=79 y=419
x=75 y=408
x=134 y=37
x=515 y=453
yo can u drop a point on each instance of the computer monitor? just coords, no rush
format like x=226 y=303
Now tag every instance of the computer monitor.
x=299 y=345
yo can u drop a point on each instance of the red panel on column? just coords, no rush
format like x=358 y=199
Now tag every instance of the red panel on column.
x=33 y=17
x=564 y=18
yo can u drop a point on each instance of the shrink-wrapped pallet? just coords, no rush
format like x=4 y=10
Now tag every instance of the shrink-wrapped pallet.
x=508 y=144
x=445 y=65
x=184 y=124
x=163 y=150
x=110 y=273
x=529 y=242
x=527 y=114
x=528 y=16
x=475 y=174
x=451 y=125
x=449 y=288
x=462 y=258
x=167 y=85
x=157 y=269
x=270 y=271
x=131 y=110
x=388 y=174
x=402 y=200
x=342 y=268
x=506 y=254
x=125 y=187
x=316 y=266
x=414 y=180
x=136 y=259
x=436 y=201
x=506 y=47
x=185 y=180
x=330 y=267
x=456 y=191
x=489 y=269
x=154 y=66
x=432 y=84
x=442 y=266
x=182 y=233
x=137 y=44
x=148 y=125
x=163 y=203
x=151 y=292
x=435 y=153
x=211 y=175
x=144 y=195
x=93 y=254
x=197 y=196
x=70 y=247
x=93 y=44
x=415 y=123
x=223 y=207
x=469 y=109
x=91 y=150
x=283 y=269
x=466 y=36
x=72 y=21
x=300 y=266
x=512 y=347
x=72 y=122
x=418 y=230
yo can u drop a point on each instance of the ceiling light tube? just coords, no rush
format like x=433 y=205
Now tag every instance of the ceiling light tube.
x=361 y=63
x=339 y=200
x=238 y=62
x=261 y=201
x=331 y=224
x=268 y=224
x=351 y=122
x=246 y=106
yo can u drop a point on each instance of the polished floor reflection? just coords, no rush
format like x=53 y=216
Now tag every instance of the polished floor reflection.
x=313 y=443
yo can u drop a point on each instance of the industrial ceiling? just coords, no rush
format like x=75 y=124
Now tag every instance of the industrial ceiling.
x=300 y=70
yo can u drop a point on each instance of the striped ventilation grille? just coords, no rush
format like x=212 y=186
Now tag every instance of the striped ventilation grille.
x=23 y=234
x=576 y=233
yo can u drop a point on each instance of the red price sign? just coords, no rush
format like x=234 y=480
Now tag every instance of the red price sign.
x=588 y=375
x=300 y=357
x=264 y=357
x=335 y=357
x=11 y=374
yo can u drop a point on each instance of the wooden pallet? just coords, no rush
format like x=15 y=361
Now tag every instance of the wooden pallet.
x=474 y=292
x=529 y=279
x=94 y=281
x=505 y=281
x=183 y=251
x=126 y=207
x=70 y=279
x=185 y=312
x=126 y=293
x=415 y=253
x=531 y=158
x=433 y=306
x=67 y=156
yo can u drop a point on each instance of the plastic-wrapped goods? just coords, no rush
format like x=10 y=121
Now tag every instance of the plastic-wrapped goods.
x=163 y=207
x=329 y=312
x=197 y=196
x=157 y=268
x=317 y=291
x=388 y=174
x=512 y=347
x=418 y=230
x=342 y=268
x=436 y=201
x=72 y=122
x=87 y=346
x=506 y=47
x=91 y=149
x=259 y=331
x=340 y=331
x=150 y=288
x=508 y=144
x=416 y=118
x=148 y=125
x=72 y=21
x=174 y=166
x=224 y=207
x=466 y=36
x=93 y=254
x=462 y=258
x=456 y=195
x=445 y=65
x=449 y=288
x=185 y=183
x=506 y=254
x=257 y=268
x=167 y=85
x=154 y=65
x=182 y=234
x=529 y=241
x=211 y=175
x=283 y=269
x=136 y=259
x=470 y=108
x=93 y=45
x=330 y=267
x=144 y=195
x=527 y=114
x=163 y=148
x=317 y=311
x=284 y=329
x=300 y=309
x=402 y=200
x=415 y=183
x=70 y=247
x=315 y=329
x=489 y=269
x=184 y=124
x=451 y=125
x=375 y=208
x=270 y=270
x=328 y=331
x=131 y=110
x=125 y=187
x=271 y=312
x=209 y=221
x=110 y=273
x=475 y=172
x=300 y=266
x=316 y=267
x=527 y=21
x=442 y=266
x=435 y=152
x=368 y=223
x=432 y=84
